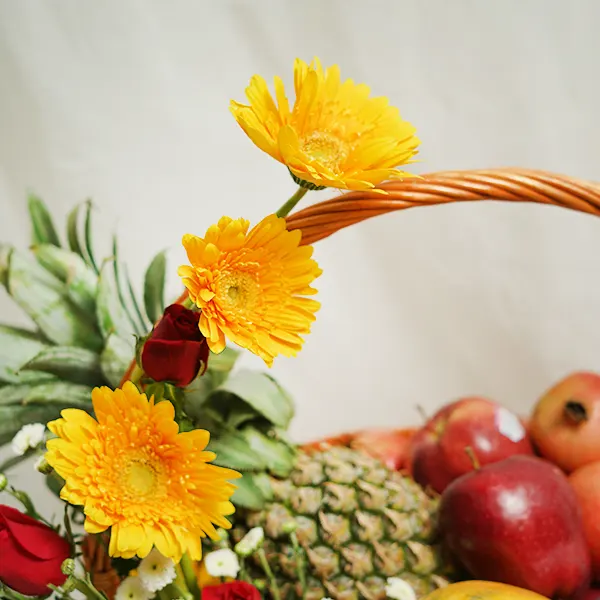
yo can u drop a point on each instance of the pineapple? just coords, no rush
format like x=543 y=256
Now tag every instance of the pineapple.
x=355 y=523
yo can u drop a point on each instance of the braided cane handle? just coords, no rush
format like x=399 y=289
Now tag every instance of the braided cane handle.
x=512 y=185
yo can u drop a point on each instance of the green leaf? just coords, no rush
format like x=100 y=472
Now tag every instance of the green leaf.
x=234 y=451
x=154 y=287
x=263 y=393
x=18 y=377
x=48 y=305
x=5 y=252
x=17 y=346
x=110 y=313
x=61 y=393
x=41 y=221
x=80 y=280
x=278 y=457
x=89 y=249
x=138 y=327
x=68 y=363
x=220 y=365
x=12 y=418
x=116 y=358
x=14 y=394
x=248 y=494
x=73 y=232
x=134 y=302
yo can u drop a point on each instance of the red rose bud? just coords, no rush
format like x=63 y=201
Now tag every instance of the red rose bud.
x=176 y=349
x=31 y=554
x=236 y=590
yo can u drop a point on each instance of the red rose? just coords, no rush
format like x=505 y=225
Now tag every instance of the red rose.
x=176 y=348
x=31 y=553
x=236 y=590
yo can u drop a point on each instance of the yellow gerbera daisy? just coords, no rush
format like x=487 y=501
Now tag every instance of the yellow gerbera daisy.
x=132 y=471
x=251 y=286
x=335 y=135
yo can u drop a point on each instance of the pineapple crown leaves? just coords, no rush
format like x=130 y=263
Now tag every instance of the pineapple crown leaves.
x=86 y=315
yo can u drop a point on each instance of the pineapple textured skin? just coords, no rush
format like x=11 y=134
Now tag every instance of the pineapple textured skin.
x=357 y=523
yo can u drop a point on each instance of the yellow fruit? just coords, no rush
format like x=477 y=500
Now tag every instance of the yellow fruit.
x=482 y=590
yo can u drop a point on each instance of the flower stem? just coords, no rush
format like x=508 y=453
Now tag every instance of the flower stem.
x=285 y=210
x=86 y=587
x=189 y=575
x=299 y=562
x=267 y=569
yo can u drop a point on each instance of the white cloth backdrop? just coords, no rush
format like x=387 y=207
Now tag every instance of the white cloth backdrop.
x=126 y=101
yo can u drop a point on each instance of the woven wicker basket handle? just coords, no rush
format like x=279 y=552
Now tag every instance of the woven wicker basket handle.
x=512 y=185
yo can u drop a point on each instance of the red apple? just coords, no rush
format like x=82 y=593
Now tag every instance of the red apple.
x=586 y=483
x=518 y=522
x=565 y=425
x=437 y=452
x=591 y=594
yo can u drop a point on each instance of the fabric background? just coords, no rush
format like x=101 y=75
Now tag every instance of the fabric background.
x=126 y=102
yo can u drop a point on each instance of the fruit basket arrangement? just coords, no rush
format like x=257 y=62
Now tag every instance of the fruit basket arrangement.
x=178 y=478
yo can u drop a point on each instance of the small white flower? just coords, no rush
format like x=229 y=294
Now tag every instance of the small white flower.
x=250 y=542
x=42 y=466
x=29 y=436
x=132 y=588
x=156 y=571
x=398 y=589
x=222 y=563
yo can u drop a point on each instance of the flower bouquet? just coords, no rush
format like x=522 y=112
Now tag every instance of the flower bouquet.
x=178 y=477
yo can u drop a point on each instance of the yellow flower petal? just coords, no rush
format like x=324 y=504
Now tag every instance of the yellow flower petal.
x=134 y=472
x=335 y=135
x=251 y=286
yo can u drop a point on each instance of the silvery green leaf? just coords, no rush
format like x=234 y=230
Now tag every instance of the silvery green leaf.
x=17 y=376
x=154 y=287
x=137 y=324
x=12 y=418
x=234 y=451
x=5 y=252
x=44 y=298
x=248 y=494
x=262 y=393
x=68 y=363
x=116 y=358
x=220 y=365
x=14 y=394
x=110 y=313
x=73 y=232
x=17 y=346
x=61 y=393
x=43 y=230
x=89 y=248
x=79 y=279
x=278 y=457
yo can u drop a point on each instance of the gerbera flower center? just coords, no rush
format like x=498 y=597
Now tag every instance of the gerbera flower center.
x=239 y=289
x=140 y=477
x=326 y=148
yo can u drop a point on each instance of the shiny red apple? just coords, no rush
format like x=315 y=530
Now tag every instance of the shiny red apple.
x=437 y=453
x=586 y=483
x=518 y=522
x=565 y=424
